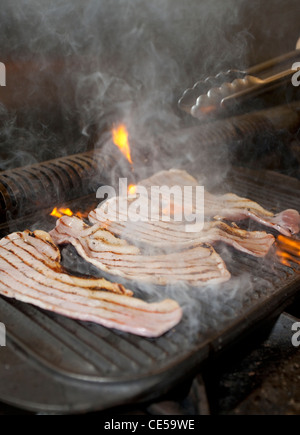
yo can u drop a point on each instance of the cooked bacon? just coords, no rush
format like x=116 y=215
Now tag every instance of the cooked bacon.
x=31 y=272
x=196 y=266
x=171 y=235
x=39 y=246
x=235 y=208
x=230 y=206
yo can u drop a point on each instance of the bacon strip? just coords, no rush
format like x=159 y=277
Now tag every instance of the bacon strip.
x=230 y=206
x=196 y=266
x=171 y=235
x=31 y=272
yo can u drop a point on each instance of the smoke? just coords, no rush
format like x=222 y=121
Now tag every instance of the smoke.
x=207 y=310
x=86 y=64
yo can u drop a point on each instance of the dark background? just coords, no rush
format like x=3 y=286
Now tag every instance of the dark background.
x=74 y=65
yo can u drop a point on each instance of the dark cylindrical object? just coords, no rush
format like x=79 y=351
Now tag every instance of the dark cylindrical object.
x=27 y=189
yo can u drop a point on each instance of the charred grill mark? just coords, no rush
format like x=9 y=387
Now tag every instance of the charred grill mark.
x=48 y=306
x=60 y=292
x=56 y=269
x=183 y=266
x=174 y=236
x=186 y=273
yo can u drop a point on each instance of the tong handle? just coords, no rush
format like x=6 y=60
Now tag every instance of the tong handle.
x=271 y=63
x=262 y=86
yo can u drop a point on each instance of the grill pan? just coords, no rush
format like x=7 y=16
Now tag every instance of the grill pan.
x=55 y=364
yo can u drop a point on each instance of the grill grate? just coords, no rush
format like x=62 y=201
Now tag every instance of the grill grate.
x=28 y=189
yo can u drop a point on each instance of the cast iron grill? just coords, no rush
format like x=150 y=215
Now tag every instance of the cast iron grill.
x=82 y=366
x=32 y=188
x=247 y=128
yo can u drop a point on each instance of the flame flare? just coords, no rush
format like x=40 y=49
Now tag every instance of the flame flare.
x=60 y=212
x=131 y=189
x=288 y=250
x=120 y=139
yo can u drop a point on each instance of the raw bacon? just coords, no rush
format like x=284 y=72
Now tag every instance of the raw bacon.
x=197 y=266
x=31 y=272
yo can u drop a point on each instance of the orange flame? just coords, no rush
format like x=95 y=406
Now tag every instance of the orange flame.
x=288 y=250
x=81 y=215
x=66 y=211
x=120 y=139
x=59 y=212
x=56 y=213
x=132 y=189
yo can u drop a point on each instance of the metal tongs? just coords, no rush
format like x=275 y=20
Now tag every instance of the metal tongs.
x=229 y=90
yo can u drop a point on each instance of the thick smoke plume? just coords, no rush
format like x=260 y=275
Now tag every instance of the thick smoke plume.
x=76 y=67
